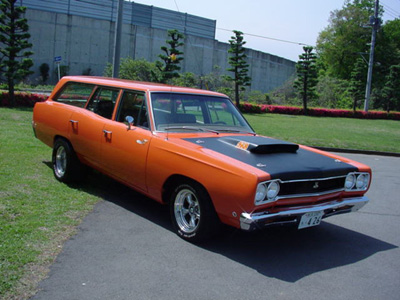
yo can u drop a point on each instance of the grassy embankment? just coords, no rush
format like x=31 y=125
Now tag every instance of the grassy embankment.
x=37 y=213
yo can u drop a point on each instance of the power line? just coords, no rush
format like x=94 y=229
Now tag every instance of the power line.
x=255 y=35
x=390 y=11
x=176 y=4
x=267 y=38
x=389 y=8
x=392 y=14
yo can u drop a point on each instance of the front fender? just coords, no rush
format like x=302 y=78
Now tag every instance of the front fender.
x=230 y=184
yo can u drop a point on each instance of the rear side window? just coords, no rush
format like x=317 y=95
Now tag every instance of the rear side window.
x=103 y=102
x=75 y=94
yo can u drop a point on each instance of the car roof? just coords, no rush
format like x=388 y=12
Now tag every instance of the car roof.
x=137 y=85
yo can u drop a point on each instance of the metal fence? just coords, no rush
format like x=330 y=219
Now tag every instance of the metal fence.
x=134 y=13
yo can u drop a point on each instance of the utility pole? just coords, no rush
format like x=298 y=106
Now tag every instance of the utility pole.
x=375 y=22
x=117 y=39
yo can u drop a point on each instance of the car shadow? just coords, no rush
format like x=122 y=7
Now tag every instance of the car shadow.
x=112 y=191
x=290 y=255
x=281 y=252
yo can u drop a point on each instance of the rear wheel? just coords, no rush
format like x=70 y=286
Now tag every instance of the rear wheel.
x=192 y=213
x=66 y=166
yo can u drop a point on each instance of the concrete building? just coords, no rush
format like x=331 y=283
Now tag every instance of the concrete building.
x=82 y=33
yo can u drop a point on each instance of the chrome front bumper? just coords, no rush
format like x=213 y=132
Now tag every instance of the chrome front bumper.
x=260 y=220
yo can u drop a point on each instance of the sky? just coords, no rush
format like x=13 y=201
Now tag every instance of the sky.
x=297 y=21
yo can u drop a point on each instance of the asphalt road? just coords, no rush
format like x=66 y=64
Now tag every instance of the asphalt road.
x=125 y=249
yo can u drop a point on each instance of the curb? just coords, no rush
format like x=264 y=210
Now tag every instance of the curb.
x=355 y=151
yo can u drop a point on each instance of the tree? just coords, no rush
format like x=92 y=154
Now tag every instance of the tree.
x=391 y=29
x=215 y=81
x=171 y=59
x=135 y=70
x=387 y=52
x=307 y=77
x=391 y=91
x=333 y=92
x=187 y=79
x=358 y=81
x=345 y=37
x=239 y=67
x=14 y=44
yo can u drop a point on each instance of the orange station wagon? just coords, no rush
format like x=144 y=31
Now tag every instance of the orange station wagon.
x=193 y=150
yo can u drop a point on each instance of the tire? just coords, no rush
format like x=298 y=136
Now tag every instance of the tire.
x=66 y=166
x=192 y=213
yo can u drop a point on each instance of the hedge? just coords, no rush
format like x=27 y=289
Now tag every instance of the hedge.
x=21 y=99
x=29 y=100
x=317 y=112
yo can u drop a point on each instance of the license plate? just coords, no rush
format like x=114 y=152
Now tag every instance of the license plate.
x=311 y=219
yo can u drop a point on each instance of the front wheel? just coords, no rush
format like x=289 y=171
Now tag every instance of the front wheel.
x=66 y=166
x=192 y=213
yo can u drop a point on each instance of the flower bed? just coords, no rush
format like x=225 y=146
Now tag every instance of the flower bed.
x=21 y=99
x=317 y=112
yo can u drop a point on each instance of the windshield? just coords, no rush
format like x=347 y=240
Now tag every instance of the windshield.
x=188 y=112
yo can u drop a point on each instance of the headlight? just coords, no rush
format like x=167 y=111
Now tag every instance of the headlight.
x=267 y=192
x=350 y=181
x=273 y=190
x=356 y=181
x=261 y=192
x=362 y=181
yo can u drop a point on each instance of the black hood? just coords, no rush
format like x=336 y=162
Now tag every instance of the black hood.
x=280 y=159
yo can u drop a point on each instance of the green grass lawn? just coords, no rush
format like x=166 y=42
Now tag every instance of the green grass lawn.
x=37 y=213
x=375 y=135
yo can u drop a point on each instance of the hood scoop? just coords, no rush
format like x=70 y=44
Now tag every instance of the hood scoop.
x=261 y=145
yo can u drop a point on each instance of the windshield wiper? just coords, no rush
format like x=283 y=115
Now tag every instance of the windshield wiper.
x=235 y=130
x=191 y=128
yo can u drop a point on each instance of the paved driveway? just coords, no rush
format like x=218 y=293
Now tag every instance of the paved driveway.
x=125 y=249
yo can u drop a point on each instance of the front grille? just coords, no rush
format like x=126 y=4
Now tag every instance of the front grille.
x=310 y=187
x=313 y=186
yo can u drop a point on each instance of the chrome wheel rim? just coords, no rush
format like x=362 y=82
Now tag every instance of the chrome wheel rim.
x=60 y=164
x=187 y=211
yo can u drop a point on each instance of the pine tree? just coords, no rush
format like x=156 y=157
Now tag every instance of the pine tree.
x=391 y=91
x=307 y=77
x=239 y=67
x=358 y=79
x=171 y=59
x=14 y=36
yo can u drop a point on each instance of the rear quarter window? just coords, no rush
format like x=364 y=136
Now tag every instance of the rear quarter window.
x=75 y=94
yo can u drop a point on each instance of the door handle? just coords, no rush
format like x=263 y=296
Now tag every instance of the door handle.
x=106 y=133
x=74 y=125
x=141 y=142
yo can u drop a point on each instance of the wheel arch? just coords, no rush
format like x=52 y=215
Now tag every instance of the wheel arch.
x=57 y=136
x=175 y=179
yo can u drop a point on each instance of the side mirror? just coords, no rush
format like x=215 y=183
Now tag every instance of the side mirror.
x=129 y=120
